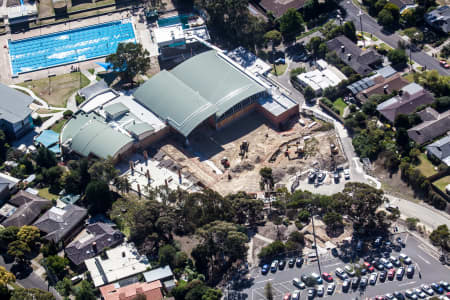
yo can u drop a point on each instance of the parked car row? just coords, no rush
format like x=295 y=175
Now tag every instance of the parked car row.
x=281 y=264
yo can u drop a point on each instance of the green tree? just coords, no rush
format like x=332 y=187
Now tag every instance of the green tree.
x=291 y=24
x=350 y=30
x=333 y=220
x=98 y=197
x=441 y=237
x=309 y=93
x=273 y=36
x=19 y=250
x=29 y=234
x=6 y=277
x=411 y=223
x=31 y=294
x=271 y=250
x=57 y=265
x=317 y=47
x=268 y=291
x=45 y=158
x=397 y=57
x=303 y=216
x=166 y=255
x=212 y=294
x=130 y=60
x=386 y=18
x=64 y=286
x=85 y=291
x=103 y=170
x=8 y=235
x=3 y=146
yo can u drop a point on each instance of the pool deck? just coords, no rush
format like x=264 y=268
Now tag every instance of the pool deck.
x=141 y=32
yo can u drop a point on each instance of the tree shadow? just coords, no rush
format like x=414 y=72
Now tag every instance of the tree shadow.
x=22 y=270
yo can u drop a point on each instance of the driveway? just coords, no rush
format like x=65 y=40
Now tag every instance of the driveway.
x=31 y=281
x=370 y=25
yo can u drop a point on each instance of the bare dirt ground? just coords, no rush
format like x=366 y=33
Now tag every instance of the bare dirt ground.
x=207 y=147
x=187 y=243
x=392 y=183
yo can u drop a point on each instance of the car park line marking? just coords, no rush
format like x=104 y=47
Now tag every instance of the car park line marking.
x=408 y=283
x=270 y=279
x=406 y=238
x=423 y=259
x=336 y=264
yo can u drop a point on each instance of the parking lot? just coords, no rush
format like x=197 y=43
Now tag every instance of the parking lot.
x=425 y=261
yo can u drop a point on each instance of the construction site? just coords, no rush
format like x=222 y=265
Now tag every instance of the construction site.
x=229 y=160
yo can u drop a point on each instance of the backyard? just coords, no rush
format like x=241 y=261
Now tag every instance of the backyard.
x=280 y=69
x=44 y=193
x=425 y=166
x=442 y=183
x=57 y=127
x=56 y=90
x=341 y=105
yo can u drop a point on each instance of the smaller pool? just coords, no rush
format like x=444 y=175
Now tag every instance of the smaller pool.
x=180 y=19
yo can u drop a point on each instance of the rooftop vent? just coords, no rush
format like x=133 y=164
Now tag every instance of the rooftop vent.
x=343 y=48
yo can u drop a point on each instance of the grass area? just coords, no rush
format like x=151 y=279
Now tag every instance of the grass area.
x=309 y=32
x=44 y=193
x=57 y=127
x=341 y=105
x=56 y=90
x=82 y=6
x=47 y=111
x=409 y=77
x=369 y=35
x=280 y=69
x=92 y=71
x=442 y=183
x=425 y=166
x=384 y=46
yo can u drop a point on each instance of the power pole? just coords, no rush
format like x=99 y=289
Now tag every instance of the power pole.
x=362 y=32
x=315 y=243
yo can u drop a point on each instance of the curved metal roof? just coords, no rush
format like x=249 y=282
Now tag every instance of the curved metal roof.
x=195 y=90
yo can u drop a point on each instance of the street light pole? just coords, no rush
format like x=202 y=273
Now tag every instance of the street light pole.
x=362 y=32
x=315 y=243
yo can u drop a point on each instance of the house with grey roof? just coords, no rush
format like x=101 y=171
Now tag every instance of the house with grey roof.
x=439 y=18
x=29 y=207
x=361 y=61
x=61 y=224
x=163 y=274
x=433 y=124
x=15 y=114
x=8 y=186
x=440 y=150
x=408 y=99
x=94 y=240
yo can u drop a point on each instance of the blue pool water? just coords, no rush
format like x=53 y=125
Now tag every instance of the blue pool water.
x=70 y=46
x=170 y=21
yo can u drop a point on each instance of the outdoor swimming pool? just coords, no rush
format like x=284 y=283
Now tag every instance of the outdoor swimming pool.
x=70 y=46
x=170 y=21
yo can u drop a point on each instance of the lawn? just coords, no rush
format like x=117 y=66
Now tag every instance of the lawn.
x=442 y=183
x=409 y=77
x=57 y=127
x=425 y=166
x=82 y=6
x=56 y=90
x=280 y=69
x=44 y=193
x=340 y=104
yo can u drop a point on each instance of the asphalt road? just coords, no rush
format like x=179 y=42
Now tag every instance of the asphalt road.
x=425 y=260
x=370 y=25
x=31 y=281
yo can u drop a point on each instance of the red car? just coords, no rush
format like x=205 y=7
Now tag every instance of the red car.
x=444 y=64
x=391 y=274
x=327 y=277
x=369 y=266
x=379 y=298
x=287 y=296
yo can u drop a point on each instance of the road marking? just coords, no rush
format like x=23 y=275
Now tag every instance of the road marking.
x=270 y=279
x=336 y=264
x=408 y=283
x=406 y=238
x=423 y=259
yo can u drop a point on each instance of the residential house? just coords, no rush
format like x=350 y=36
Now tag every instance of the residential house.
x=15 y=115
x=278 y=8
x=8 y=186
x=6 y=210
x=323 y=77
x=96 y=238
x=361 y=61
x=380 y=86
x=121 y=264
x=61 y=224
x=433 y=125
x=163 y=274
x=29 y=207
x=403 y=5
x=439 y=18
x=440 y=150
x=151 y=290
x=408 y=99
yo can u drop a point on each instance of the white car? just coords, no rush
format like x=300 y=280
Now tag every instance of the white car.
x=295 y=295
x=373 y=278
x=347 y=174
x=420 y=293
x=330 y=288
x=403 y=257
x=320 y=290
x=427 y=289
x=410 y=294
x=298 y=283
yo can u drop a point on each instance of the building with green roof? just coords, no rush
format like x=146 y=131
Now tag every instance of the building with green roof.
x=205 y=87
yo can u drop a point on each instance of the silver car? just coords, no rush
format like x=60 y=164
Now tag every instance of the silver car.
x=373 y=278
